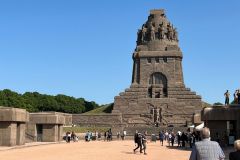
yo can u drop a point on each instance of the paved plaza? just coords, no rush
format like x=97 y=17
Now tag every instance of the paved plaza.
x=94 y=150
x=99 y=150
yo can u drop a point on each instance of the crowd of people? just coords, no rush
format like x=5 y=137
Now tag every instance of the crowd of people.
x=71 y=136
x=108 y=135
x=236 y=97
x=91 y=136
x=202 y=146
x=179 y=138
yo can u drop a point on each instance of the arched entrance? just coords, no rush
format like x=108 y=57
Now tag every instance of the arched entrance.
x=157 y=85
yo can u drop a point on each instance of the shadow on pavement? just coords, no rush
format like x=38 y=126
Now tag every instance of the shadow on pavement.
x=180 y=148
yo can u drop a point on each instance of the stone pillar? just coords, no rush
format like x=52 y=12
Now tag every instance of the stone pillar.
x=158 y=117
x=8 y=133
x=60 y=132
x=136 y=71
x=12 y=134
x=178 y=72
x=153 y=114
x=21 y=133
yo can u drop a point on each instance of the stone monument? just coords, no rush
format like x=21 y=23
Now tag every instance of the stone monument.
x=46 y=126
x=12 y=126
x=157 y=95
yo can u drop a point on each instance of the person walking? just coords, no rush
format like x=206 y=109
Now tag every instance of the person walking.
x=184 y=139
x=136 y=137
x=105 y=136
x=73 y=136
x=118 y=135
x=144 y=142
x=161 y=137
x=191 y=139
x=139 y=143
x=226 y=94
x=68 y=137
x=172 y=139
x=179 y=138
x=235 y=155
x=206 y=149
x=169 y=139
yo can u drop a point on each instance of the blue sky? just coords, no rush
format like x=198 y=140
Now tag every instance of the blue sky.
x=84 y=48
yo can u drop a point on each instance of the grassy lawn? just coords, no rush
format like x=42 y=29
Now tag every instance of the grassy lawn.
x=104 y=109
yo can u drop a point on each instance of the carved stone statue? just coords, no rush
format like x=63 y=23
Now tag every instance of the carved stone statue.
x=161 y=30
x=144 y=31
x=152 y=32
x=139 y=36
x=169 y=32
x=175 y=34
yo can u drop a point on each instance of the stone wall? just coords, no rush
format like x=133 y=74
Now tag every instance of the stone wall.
x=21 y=128
x=97 y=119
x=51 y=133
x=31 y=132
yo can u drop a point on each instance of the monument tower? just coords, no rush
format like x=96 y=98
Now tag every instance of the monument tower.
x=157 y=94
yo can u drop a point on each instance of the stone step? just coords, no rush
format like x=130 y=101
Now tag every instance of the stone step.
x=178 y=89
x=185 y=96
x=134 y=93
x=181 y=92
x=136 y=90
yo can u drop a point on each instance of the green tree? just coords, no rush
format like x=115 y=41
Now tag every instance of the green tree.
x=35 y=102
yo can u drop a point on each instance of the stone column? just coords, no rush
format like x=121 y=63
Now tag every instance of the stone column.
x=136 y=71
x=153 y=114
x=8 y=133
x=60 y=132
x=21 y=133
x=158 y=117
x=4 y=133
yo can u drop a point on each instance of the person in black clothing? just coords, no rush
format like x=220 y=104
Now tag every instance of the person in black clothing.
x=179 y=139
x=73 y=136
x=183 y=138
x=139 y=143
x=136 y=137
x=238 y=94
x=227 y=94
x=235 y=155
x=172 y=139
x=105 y=135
